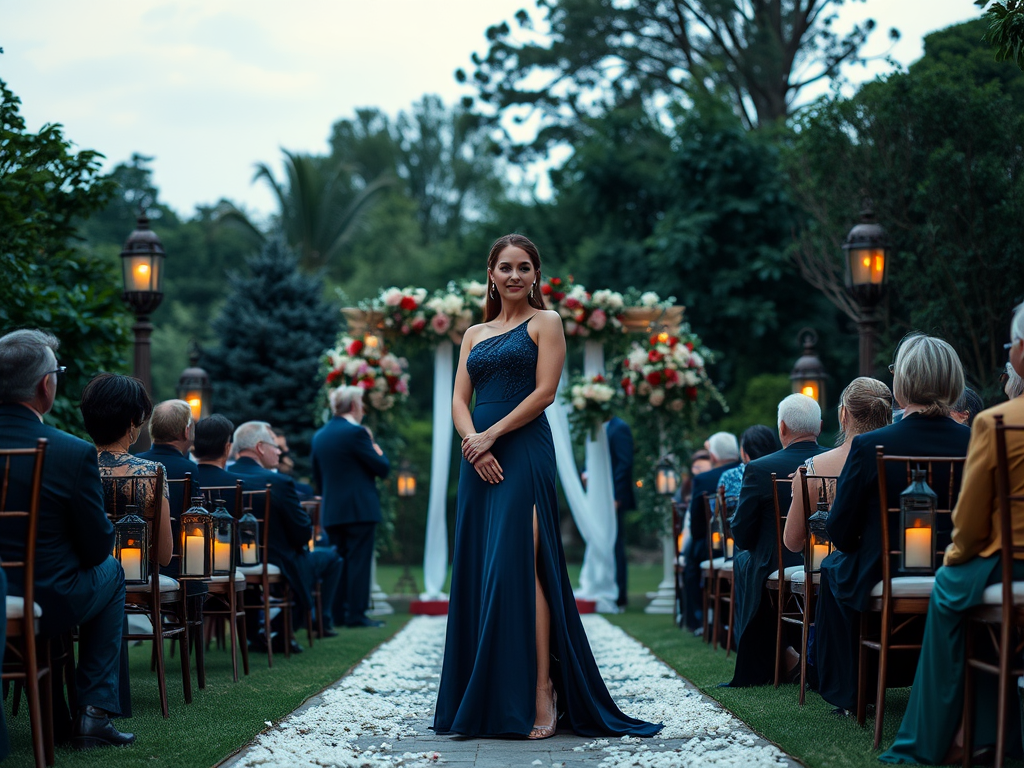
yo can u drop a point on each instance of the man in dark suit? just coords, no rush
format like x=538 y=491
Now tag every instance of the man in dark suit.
x=78 y=582
x=290 y=527
x=172 y=431
x=212 y=447
x=725 y=454
x=346 y=461
x=928 y=379
x=753 y=529
x=620 y=445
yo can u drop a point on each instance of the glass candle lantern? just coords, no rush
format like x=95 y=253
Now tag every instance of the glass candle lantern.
x=196 y=541
x=666 y=478
x=917 y=525
x=821 y=548
x=717 y=537
x=248 y=540
x=406 y=481
x=223 y=539
x=131 y=546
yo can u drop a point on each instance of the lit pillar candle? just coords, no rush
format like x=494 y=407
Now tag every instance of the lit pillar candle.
x=818 y=553
x=716 y=540
x=729 y=545
x=919 y=548
x=248 y=553
x=131 y=561
x=194 y=553
x=679 y=544
x=221 y=555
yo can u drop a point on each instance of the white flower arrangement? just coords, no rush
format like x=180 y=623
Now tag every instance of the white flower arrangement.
x=592 y=400
x=371 y=366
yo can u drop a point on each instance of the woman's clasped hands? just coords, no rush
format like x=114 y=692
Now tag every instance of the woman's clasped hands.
x=476 y=450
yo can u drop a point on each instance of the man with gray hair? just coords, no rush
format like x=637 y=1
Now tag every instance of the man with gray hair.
x=346 y=464
x=77 y=581
x=753 y=529
x=290 y=526
x=725 y=454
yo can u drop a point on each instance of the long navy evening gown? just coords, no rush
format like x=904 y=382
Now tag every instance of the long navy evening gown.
x=489 y=675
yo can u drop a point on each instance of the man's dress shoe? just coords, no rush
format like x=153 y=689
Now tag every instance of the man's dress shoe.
x=94 y=729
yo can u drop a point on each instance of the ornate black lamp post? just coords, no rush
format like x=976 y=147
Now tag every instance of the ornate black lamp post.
x=808 y=375
x=142 y=268
x=194 y=385
x=867 y=250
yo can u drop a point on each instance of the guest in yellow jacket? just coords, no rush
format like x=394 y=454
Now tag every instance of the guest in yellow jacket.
x=929 y=732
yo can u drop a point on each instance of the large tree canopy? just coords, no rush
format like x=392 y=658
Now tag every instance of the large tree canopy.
x=939 y=149
x=46 y=280
x=757 y=54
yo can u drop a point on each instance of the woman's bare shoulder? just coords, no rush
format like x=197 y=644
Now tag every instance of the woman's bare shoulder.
x=547 y=319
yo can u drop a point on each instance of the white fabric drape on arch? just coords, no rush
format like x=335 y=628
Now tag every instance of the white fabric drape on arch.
x=435 y=552
x=593 y=509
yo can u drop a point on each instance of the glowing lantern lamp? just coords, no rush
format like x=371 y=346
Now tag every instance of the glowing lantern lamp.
x=867 y=258
x=131 y=546
x=196 y=541
x=808 y=375
x=248 y=539
x=406 y=480
x=666 y=478
x=917 y=525
x=194 y=385
x=223 y=540
x=142 y=266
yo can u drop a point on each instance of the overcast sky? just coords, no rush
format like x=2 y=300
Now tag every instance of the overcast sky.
x=210 y=87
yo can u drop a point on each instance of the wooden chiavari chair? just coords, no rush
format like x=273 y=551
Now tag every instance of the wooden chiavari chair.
x=26 y=656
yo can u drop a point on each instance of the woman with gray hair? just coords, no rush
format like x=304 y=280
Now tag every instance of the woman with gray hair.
x=928 y=733
x=928 y=379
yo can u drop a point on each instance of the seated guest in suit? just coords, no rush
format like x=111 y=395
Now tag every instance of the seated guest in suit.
x=211 y=447
x=78 y=582
x=172 y=431
x=753 y=529
x=972 y=562
x=755 y=442
x=864 y=406
x=114 y=409
x=927 y=379
x=290 y=528
x=286 y=464
x=620 y=445
x=346 y=461
x=724 y=452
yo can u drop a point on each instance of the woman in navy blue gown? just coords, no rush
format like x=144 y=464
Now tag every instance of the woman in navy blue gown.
x=516 y=653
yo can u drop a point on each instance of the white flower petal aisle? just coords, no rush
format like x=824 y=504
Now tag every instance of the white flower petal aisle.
x=378 y=717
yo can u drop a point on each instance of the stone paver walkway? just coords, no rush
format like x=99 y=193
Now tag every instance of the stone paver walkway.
x=378 y=717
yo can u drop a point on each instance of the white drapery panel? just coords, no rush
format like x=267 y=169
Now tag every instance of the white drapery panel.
x=593 y=510
x=435 y=553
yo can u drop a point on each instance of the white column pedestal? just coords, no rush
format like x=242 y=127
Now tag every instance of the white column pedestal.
x=664 y=600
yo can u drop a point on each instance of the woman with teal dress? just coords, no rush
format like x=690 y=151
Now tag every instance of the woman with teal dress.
x=516 y=656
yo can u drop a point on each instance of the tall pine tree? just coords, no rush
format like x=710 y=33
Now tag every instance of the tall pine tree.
x=272 y=332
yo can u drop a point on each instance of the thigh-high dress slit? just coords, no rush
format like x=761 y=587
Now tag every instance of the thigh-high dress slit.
x=489 y=674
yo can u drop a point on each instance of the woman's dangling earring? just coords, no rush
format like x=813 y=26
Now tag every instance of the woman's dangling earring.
x=493 y=286
x=531 y=290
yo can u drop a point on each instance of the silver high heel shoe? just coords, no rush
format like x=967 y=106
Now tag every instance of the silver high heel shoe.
x=547 y=731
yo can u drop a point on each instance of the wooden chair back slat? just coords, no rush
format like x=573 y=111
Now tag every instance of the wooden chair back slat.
x=152 y=512
x=30 y=516
x=1006 y=499
x=825 y=485
x=186 y=490
x=237 y=489
x=780 y=520
x=929 y=463
x=252 y=498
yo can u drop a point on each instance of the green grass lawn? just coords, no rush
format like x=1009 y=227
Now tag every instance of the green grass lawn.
x=223 y=717
x=810 y=733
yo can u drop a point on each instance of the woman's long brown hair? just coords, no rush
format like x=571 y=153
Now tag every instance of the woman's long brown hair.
x=492 y=306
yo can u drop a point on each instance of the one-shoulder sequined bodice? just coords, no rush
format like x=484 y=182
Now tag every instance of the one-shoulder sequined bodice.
x=504 y=367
